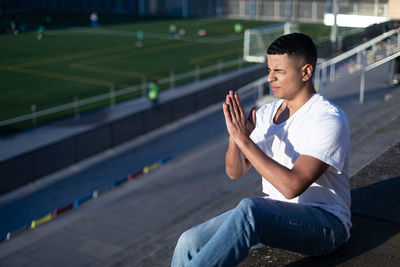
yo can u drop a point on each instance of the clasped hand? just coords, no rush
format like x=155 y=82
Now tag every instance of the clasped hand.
x=239 y=127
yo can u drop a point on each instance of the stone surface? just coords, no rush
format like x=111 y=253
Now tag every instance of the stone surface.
x=375 y=235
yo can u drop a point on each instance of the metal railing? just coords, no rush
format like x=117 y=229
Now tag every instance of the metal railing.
x=355 y=59
x=255 y=89
x=76 y=104
x=303 y=11
x=370 y=67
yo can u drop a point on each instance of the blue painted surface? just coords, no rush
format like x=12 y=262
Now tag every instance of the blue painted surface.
x=102 y=176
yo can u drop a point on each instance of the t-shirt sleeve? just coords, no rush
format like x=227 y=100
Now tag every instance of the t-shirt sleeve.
x=329 y=141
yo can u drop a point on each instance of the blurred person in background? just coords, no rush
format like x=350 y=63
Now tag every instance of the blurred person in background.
x=94 y=19
x=40 y=32
x=153 y=91
x=173 y=31
x=139 y=38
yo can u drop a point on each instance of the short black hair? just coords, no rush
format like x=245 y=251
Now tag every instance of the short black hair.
x=295 y=44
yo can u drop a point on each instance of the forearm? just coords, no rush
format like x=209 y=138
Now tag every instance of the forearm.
x=236 y=165
x=283 y=179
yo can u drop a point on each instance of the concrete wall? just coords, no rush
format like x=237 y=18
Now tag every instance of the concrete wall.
x=35 y=164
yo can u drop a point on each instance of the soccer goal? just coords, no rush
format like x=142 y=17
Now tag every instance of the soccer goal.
x=257 y=40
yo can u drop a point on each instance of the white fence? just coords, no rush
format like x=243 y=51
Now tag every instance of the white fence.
x=170 y=81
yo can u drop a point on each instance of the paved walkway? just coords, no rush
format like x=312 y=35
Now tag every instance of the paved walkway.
x=137 y=223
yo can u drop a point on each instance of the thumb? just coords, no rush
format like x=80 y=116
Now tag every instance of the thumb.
x=252 y=116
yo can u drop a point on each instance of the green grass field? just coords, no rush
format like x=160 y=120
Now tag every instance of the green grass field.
x=74 y=60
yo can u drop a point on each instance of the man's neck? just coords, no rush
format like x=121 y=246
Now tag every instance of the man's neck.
x=290 y=106
x=295 y=104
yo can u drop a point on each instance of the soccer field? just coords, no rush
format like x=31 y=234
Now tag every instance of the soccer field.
x=76 y=61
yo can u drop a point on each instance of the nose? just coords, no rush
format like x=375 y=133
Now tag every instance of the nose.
x=271 y=77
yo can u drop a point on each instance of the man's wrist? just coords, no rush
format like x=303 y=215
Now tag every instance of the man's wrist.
x=242 y=142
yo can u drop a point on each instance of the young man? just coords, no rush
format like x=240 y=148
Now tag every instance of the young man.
x=300 y=145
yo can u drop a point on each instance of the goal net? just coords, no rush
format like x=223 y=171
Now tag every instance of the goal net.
x=257 y=40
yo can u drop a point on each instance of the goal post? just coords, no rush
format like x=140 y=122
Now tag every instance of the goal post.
x=256 y=40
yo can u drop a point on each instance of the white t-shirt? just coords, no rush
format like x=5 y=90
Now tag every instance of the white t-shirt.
x=318 y=129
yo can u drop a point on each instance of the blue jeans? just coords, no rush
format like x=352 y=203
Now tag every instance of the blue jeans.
x=226 y=240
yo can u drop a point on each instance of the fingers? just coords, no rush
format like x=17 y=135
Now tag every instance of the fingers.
x=252 y=115
x=235 y=108
x=227 y=113
x=228 y=117
x=239 y=104
x=237 y=123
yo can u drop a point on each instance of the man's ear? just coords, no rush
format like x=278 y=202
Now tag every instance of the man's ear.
x=307 y=71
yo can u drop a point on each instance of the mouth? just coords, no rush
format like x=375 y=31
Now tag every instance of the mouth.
x=274 y=88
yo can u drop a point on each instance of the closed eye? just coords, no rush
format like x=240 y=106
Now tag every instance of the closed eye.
x=275 y=70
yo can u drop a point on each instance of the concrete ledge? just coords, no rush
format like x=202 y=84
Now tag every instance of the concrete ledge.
x=375 y=236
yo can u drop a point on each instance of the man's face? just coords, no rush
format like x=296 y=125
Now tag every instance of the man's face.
x=285 y=75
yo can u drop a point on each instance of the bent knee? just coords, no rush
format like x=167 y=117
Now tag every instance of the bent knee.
x=188 y=239
x=248 y=204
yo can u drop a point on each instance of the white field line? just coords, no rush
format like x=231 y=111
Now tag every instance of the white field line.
x=89 y=31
